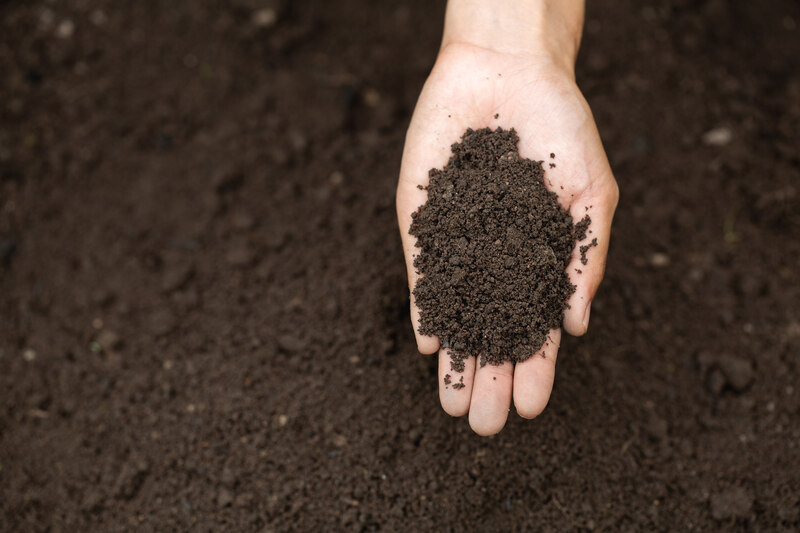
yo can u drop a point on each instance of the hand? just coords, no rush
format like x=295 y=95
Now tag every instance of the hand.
x=536 y=94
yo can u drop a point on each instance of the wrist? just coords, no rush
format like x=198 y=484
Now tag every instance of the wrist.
x=547 y=30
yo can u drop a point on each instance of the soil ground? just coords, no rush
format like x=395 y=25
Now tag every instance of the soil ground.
x=203 y=311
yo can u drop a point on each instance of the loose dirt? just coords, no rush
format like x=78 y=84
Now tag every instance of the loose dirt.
x=494 y=244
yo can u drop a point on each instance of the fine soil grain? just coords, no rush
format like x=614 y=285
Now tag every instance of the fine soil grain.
x=494 y=245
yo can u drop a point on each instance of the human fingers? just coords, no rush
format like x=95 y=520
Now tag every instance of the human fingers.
x=533 y=378
x=491 y=398
x=587 y=264
x=455 y=388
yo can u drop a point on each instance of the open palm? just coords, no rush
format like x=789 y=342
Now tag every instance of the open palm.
x=473 y=87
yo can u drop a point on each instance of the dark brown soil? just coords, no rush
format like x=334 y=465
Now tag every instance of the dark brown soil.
x=494 y=244
x=215 y=188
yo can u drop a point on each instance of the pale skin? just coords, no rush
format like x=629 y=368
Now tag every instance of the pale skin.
x=513 y=59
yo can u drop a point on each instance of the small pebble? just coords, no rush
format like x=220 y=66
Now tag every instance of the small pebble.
x=265 y=18
x=65 y=29
x=659 y=260
x=738 y=371
x=29 y=355
x=718 y=136
x=733 y=371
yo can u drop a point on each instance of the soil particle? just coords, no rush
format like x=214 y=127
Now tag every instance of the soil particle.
x=727 y=370
x=279 y=155
x=244 y=499
x=457 y=363
x=460 y=385
x=738 y=371
x=176 y=275
x=240 y=255
x=447 y=379
x=242 y=220
x=108 y=340
x=275 y=239
x=163 y=321
x=228 y=478
x=224 y=498
x=265 y=17
x=494 y=244
x=130 y=479
x=585 y=248
x=657 y=428
x=227 y=179
x=718 y=136
x=659 y=260
x=298 y=141
x=291 y=343
x=734 y=502
x=92 y=499
x=65 y=29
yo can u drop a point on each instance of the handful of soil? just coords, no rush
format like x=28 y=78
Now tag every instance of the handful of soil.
x=494 y=246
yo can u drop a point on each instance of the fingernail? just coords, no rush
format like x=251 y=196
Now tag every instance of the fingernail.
x=586 y=316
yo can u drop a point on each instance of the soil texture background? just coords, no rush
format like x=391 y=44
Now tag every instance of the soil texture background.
x=203 y=304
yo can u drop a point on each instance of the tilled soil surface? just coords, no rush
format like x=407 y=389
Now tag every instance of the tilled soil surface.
x=203 y=310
